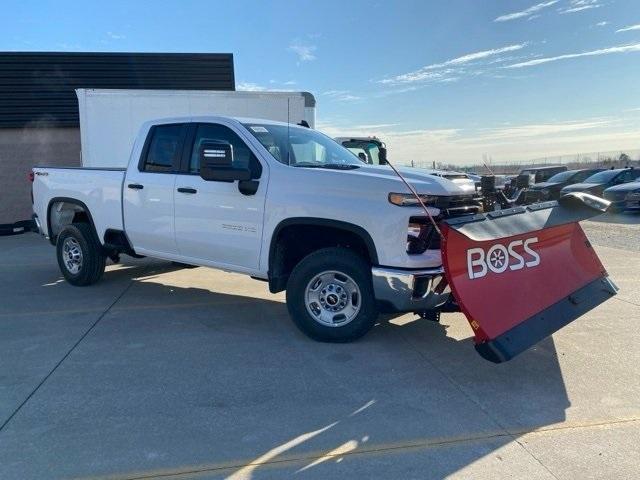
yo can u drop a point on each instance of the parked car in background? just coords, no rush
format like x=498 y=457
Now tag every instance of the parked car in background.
x=624 y=197
x=542 y=174
x=476 y=179
x=530 y=176
x=550 y=190
x=598 y=183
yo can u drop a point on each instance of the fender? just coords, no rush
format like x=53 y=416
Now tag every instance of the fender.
x=323 y=222
x=67 y=200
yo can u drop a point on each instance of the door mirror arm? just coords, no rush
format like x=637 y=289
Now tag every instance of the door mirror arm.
x=248 y=187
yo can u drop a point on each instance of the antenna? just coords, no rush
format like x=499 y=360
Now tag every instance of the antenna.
x=288 y=135
x=415 y=194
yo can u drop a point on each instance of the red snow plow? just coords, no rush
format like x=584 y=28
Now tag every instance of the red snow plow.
x=521 y=274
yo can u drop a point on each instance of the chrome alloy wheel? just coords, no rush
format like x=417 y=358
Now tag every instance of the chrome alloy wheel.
x=332 y=298
x=72 y=255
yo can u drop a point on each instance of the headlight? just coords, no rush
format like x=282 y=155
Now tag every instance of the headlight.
x=420 y=236
x=408 y=200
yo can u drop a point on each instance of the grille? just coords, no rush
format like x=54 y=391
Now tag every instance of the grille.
x=615 y=196
x=450 y=207
x=456 y=206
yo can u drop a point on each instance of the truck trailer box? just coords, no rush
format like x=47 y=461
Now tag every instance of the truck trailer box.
x=111 y=119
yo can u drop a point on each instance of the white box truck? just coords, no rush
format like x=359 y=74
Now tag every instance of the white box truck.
x=111 y=119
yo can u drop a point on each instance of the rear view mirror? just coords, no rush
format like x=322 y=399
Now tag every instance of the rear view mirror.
x=216 y=163
x=382 y=156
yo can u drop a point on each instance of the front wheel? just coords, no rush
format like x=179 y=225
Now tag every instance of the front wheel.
x=80 y=255
x=330 y=296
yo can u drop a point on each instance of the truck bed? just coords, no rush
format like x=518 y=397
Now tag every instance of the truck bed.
x=99 y=189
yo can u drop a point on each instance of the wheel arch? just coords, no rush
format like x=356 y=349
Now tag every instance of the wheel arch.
x=342 y=230
x=69 y=201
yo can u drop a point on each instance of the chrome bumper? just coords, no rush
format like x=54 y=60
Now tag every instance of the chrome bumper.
x=408 y=290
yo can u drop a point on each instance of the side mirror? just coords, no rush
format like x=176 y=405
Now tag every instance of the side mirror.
x=382 y=156
x=216 y=163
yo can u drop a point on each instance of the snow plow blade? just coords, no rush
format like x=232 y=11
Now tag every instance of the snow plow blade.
x=521 y=274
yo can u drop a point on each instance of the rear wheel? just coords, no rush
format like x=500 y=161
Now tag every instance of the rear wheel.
x=330 y=296
x=80 y=255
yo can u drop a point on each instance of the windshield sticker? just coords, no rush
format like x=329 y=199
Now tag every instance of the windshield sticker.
x=258 y=129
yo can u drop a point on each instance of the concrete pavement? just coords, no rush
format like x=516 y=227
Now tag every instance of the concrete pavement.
x=159 y=372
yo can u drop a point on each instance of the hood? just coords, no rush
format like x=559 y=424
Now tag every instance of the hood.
x=625 y=187
x=581 y=187
x=542 y=185
x=465 y=183
x=421 y=181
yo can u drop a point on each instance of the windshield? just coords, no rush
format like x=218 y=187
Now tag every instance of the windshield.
x=602 y=177
x=561 y=177
x=302 y=147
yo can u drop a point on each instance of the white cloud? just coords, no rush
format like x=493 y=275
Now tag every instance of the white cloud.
x=525 y=13
x=629 y=28
x=274 y=86
x=448 y=71
x=604 y=51
x=116 y=36
x=250 y=87
x=538 y=130
x=375 y=126
x=341 y=95
x=602 y=24
x=578 y=9
x=304 y=52
x=579 y=6
x=504 y=143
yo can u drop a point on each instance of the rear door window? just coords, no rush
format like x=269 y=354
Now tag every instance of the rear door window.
x=580 y=176
x=164 y=149
x=628 y=175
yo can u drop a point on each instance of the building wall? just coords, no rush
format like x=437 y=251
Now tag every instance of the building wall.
x=23 y=148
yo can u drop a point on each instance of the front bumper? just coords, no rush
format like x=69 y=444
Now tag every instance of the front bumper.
x=409 y=290
x=622 y=205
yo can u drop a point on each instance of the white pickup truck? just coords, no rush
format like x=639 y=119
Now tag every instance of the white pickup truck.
x=275 y=201
x=290 y=206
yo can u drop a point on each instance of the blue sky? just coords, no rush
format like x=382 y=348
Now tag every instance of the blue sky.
x=439 y=80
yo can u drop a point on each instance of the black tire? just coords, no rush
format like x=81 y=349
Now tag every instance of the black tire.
x=345 y=262
x=93 y=256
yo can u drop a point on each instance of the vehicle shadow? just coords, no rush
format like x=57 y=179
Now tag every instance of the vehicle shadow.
x=243 y=394
x=622 y=218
